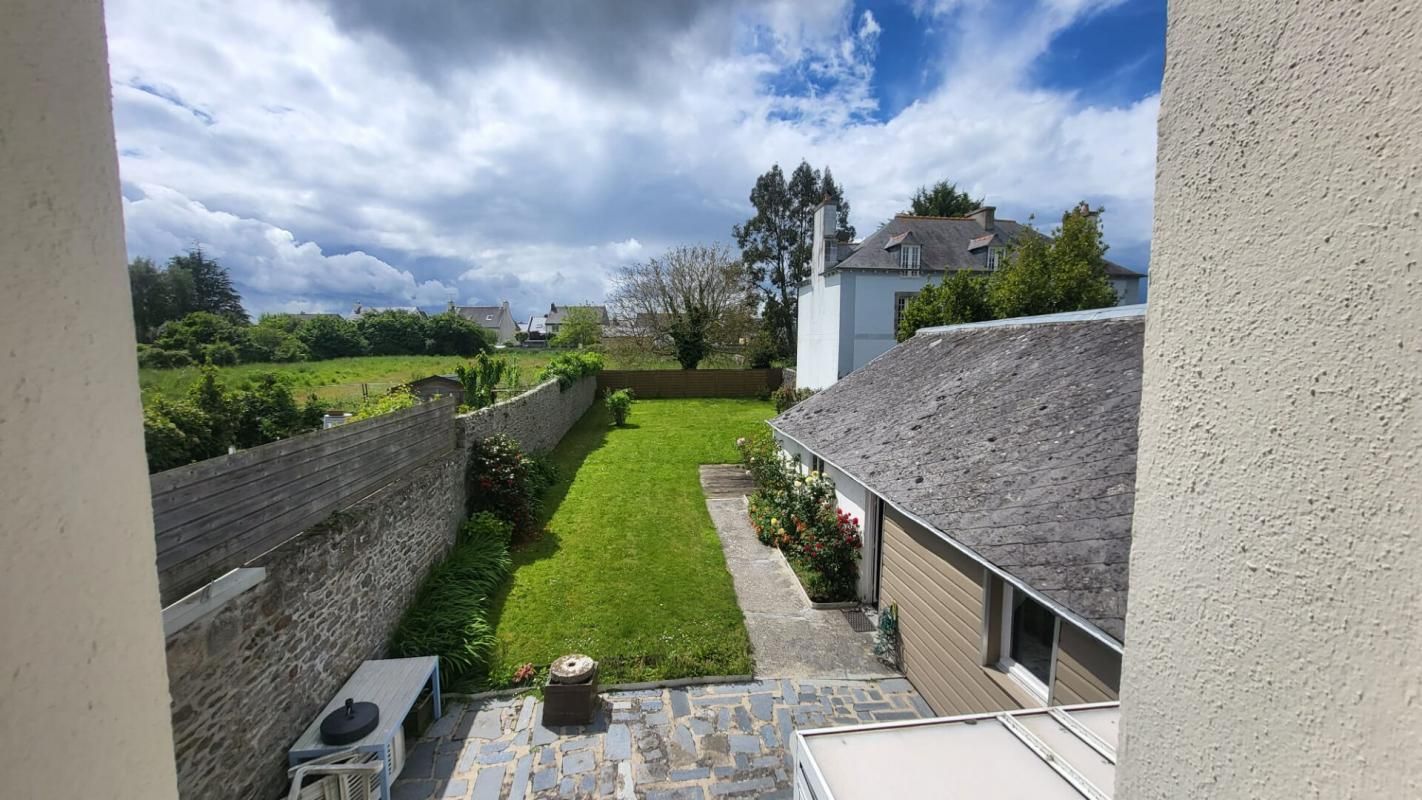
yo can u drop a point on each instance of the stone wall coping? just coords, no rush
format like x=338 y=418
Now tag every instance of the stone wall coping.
x=211 y=597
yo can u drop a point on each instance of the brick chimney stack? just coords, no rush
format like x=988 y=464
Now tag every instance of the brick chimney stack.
x=984 y=216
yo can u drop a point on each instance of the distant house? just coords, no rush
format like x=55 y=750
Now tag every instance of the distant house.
x=436 y=386
x=849 y=307
x=993 y=468
x=307 y=316
x=557 y=314
x=498 y=320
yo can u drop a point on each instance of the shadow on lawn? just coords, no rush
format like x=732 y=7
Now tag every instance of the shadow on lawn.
x=582 y=440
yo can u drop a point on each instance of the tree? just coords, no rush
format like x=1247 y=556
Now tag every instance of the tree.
x=943 y=200
x=195 y=333
x=1065 y=271
x=690 y=302
x=961 y=297
x=452 y=335
x=581 y=327
x=331 y=336
x=201 y=284
x=393 y=333
x=776 y=244
x=151 y=295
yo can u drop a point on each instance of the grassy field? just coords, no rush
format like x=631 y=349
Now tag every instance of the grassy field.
x=345 y=380
x=630 y=570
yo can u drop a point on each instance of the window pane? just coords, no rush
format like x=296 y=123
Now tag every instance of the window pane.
x=1032 y=636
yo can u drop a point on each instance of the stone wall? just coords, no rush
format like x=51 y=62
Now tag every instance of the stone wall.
x=536 y=419
x=787 y=378
x=248 y=678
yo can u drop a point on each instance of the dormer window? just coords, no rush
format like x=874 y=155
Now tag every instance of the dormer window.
x=995 y=257
x=909 y=256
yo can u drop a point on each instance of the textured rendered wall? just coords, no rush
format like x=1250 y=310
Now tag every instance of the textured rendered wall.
x=536 y=419
x=83 y=696
x=1275 y=642
x=248 y=679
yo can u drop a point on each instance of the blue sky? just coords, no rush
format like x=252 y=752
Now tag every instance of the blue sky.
x=348 y=151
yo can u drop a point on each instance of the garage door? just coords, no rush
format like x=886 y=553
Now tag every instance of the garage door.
x=939 y=592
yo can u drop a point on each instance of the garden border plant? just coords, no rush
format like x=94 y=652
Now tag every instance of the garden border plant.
x=799 y=514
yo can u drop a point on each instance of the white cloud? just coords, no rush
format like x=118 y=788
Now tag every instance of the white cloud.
x=523 y=172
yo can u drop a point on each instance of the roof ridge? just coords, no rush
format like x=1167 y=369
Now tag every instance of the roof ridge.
x=906 y=215
x=1090 y=315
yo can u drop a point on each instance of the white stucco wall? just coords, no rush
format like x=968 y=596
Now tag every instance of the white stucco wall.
x=83 y=682
x=1275 y=648
x=817 y=333
x=870 y=332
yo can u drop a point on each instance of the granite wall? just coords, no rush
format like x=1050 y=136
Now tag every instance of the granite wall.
x=536 y=419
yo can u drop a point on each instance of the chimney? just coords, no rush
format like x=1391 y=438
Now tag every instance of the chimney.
x=826 y=228
x=984 y=216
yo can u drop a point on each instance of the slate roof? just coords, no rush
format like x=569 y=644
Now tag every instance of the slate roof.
x=557 y=313
x=487 y=316
x=1017 y=439
x=949 y=243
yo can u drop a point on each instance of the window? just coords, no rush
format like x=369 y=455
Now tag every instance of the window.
x=995 y=257
x=900 y=300
x=817 y=464
x=909 y=257
x=1029 y=637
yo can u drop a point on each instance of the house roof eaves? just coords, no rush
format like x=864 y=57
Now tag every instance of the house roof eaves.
x=1113 y=312
x=1056 y=607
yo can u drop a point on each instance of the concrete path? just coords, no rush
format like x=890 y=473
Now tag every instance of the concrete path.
x=789 y=639
x=694 y=743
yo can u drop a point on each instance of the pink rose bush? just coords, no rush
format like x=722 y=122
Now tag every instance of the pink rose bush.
x=799 y=514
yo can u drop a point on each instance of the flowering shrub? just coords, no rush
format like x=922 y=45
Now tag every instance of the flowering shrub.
x=799 y=514
x=500 y=479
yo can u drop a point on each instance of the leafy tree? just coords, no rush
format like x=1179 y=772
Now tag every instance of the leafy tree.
x=581 y=327
x=177 y=433
x=481 y=377
x=393 y=333
x=152 y=298
x=690 y=302
x=1065 y=271
x=449 y=334
x=777 y=242
x=195 y=333
x=330 y=336
x=943 y=199
x=961 y=297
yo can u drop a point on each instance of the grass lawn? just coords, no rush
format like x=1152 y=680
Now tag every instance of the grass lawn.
x=630 y=570
x=340 y=380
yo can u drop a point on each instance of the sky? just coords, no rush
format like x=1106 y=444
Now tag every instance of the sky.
x=334 y=152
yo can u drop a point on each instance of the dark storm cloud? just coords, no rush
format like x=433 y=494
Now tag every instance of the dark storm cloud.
x=619 y=44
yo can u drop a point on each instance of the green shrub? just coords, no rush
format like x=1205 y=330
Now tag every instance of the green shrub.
x=619 y=404
x=569 y=368
x=219 y=354
x=398 y=399
x=449 y=334
x=177 y=432
x=158 y=358
x=330 y=336
x=501 y=480
x=449 y=617
x=482 y=376
x=799 y=514
x=786 y=397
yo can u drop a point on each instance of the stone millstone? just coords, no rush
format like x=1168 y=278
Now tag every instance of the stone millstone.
x=575 y=668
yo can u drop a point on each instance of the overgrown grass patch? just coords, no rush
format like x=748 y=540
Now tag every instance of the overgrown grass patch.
x=629 y=569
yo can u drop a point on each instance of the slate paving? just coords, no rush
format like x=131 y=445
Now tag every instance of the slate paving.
x=695 y=743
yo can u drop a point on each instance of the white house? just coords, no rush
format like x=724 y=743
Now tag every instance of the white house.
x=850 y=305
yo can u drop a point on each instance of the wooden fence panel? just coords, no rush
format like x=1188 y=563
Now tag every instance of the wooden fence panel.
x=219 y=514
x=655 y=383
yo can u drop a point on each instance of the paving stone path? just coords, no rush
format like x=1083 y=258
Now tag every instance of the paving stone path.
x=694 y=743
x=789 y=638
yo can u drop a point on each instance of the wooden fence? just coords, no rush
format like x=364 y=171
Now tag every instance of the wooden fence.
x=654 y=383
x=219 y=514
